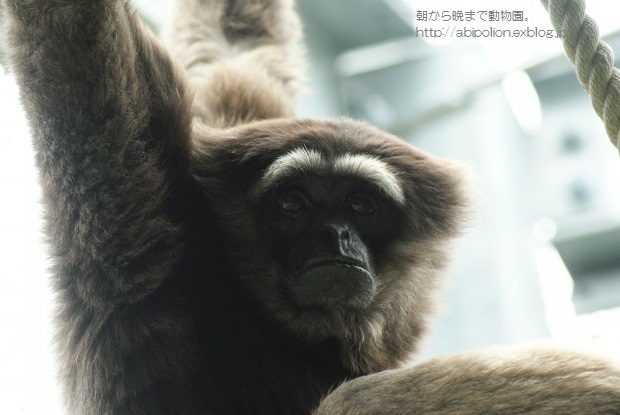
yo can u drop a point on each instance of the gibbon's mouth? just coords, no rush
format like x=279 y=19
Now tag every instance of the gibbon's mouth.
x=334 y=283
x=342 y=261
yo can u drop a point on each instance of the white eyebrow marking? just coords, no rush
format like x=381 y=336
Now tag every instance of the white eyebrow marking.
x=371 y=169
x=359 y=165
x=300 y=159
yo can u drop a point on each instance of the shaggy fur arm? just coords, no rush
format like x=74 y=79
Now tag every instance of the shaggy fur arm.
x=242 y=57
x=538 y=380
x=111 y=129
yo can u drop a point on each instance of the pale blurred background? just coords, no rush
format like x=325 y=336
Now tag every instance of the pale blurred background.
x=542 y=259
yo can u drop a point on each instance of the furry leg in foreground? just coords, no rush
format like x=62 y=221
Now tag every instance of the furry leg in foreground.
x=535 y=380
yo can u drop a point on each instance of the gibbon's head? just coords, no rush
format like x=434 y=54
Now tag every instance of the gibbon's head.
x=334 y=225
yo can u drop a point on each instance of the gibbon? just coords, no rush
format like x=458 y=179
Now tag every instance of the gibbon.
x=214 y=254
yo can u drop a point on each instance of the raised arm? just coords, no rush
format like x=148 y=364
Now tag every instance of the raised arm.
x=111 y=124
x=242 y=58
x=111 y=128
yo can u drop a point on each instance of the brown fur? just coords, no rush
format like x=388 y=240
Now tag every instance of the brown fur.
x=242 y=58
x=167 y=291
x=534 y=380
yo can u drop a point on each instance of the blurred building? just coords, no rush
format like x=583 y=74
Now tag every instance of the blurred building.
x=543 y=256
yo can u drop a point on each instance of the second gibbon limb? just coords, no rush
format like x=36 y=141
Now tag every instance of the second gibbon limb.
x=537 y=379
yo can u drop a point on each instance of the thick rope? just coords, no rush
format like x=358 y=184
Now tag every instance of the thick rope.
x=593 y=60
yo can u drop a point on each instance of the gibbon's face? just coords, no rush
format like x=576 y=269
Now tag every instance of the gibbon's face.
x=329 y=222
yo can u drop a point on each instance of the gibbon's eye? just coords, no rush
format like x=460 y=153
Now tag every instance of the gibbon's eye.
x=362 y=204
x=291 y=202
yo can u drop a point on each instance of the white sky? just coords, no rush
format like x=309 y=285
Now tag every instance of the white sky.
x=27 y=383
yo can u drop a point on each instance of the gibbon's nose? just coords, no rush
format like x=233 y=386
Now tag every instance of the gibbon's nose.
x=336 y=236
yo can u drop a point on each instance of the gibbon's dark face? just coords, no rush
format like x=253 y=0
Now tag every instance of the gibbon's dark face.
x=328 y=222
